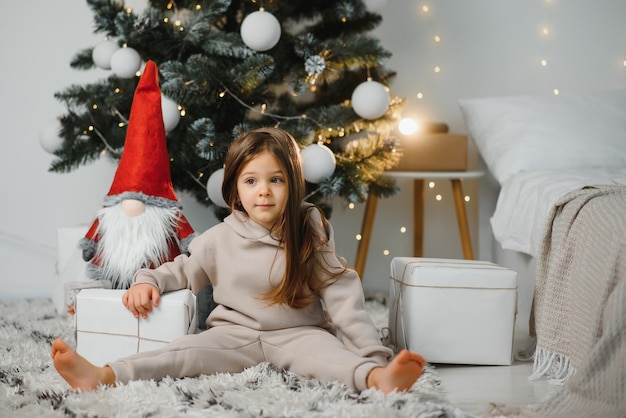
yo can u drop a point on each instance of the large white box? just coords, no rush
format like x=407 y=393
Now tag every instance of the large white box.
x=453 y=311
x=107 y=331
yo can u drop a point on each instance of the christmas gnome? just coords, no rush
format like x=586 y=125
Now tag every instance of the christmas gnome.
x=141 y=223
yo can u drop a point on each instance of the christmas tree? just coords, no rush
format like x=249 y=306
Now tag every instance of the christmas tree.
x=227 y=66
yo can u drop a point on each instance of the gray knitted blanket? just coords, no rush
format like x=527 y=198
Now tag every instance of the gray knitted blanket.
x=580 y=304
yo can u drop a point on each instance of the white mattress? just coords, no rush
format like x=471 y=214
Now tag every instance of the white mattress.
x=525 y=200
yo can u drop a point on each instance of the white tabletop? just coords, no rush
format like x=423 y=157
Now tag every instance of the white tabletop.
x=436 y=174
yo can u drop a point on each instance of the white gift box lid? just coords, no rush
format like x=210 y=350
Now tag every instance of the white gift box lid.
x=101 y=311
x=443 y=272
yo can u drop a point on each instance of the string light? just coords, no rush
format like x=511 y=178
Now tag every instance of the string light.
x=403 y=230
x=358 y=237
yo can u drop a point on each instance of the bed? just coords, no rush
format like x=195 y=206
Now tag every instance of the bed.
x=559 y=165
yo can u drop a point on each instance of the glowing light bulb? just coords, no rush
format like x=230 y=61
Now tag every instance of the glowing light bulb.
x=556 y=92
x=425 y=9
x=358 y=237
x=386 y=252
x=439 y=197
x=467 y=198
x=403 y=230
x=437 y=69
x=351 y=205
x=421 y=95
x=407 y=126
x=437 y=38
x=544 y=63
x=431 y=184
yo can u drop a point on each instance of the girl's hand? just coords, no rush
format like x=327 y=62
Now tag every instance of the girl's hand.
x=140 y=299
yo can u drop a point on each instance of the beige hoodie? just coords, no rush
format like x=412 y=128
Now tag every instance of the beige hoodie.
x=242 y=261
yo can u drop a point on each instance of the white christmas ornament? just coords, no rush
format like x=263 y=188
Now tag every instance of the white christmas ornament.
x=214 y=188
x=370 y=100
x=171 y=114
x=374 y=5
x=260 y=30
x=102 y=53
x=49 y=136
x=125 y=62
x=318 y=162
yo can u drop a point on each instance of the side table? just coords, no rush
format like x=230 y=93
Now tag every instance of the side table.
x=418 y=177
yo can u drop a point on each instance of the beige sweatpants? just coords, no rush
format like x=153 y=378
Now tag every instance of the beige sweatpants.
x=306 y=351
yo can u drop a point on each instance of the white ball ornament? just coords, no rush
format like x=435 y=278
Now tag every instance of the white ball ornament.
x=214 y=188
x=125 y=62
x=171 y=114
x=260 y=30
x=318 y=162
x=102 y=53
x=370 y=100
x=49 y=137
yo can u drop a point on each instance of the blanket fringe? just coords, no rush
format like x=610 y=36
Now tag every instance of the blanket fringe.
x=557 y=367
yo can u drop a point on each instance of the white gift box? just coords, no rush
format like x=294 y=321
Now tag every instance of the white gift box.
x=107 y=331
x=71 y=268
x=453 y=311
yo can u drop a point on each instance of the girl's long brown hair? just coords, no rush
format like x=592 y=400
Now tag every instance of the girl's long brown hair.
x=302 y=278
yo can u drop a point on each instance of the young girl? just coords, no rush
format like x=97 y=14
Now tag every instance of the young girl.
x=283 y=295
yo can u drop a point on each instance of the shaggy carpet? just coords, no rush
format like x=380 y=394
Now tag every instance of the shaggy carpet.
x=30 y=386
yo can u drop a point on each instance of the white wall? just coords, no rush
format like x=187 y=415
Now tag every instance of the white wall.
x=487 y=47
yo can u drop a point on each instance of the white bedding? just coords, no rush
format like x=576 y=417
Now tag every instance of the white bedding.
x=525 y=200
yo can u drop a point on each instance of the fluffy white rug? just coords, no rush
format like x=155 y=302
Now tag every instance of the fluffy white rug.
x=30 y=387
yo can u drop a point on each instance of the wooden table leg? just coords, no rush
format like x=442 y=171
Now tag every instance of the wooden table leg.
x=461 y=216
x=366 y=233
x=418 y=218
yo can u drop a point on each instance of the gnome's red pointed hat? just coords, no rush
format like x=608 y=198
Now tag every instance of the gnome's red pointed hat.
x=144 y=169
x=143 y=172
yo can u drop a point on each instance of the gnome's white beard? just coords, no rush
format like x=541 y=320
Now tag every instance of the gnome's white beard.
x=130 y=243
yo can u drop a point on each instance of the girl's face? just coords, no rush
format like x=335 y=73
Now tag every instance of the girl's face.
x=263 y=189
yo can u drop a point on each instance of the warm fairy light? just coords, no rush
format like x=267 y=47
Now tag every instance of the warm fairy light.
x=438 y=197
x=437 y=38
x=183 y=112
x=222 y=94
x=117 y=90
x=544 y=63
x=121 y=124
x=425 y=9
x=407 y=126
x=94 y=106
x=358 y=237
x=403 y=230
x=386 y=252
x=467 y=198
x=344 y=20
x=420 y=95
x=351 y=205
x=198 y=7
x=90 y=128
x=166 y=20
x=431 y=185
x=556 y=92
x=437 y=69
x=545 y=31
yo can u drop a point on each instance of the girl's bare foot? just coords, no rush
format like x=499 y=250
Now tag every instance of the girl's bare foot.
x=399 y=375
x=76 y=370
